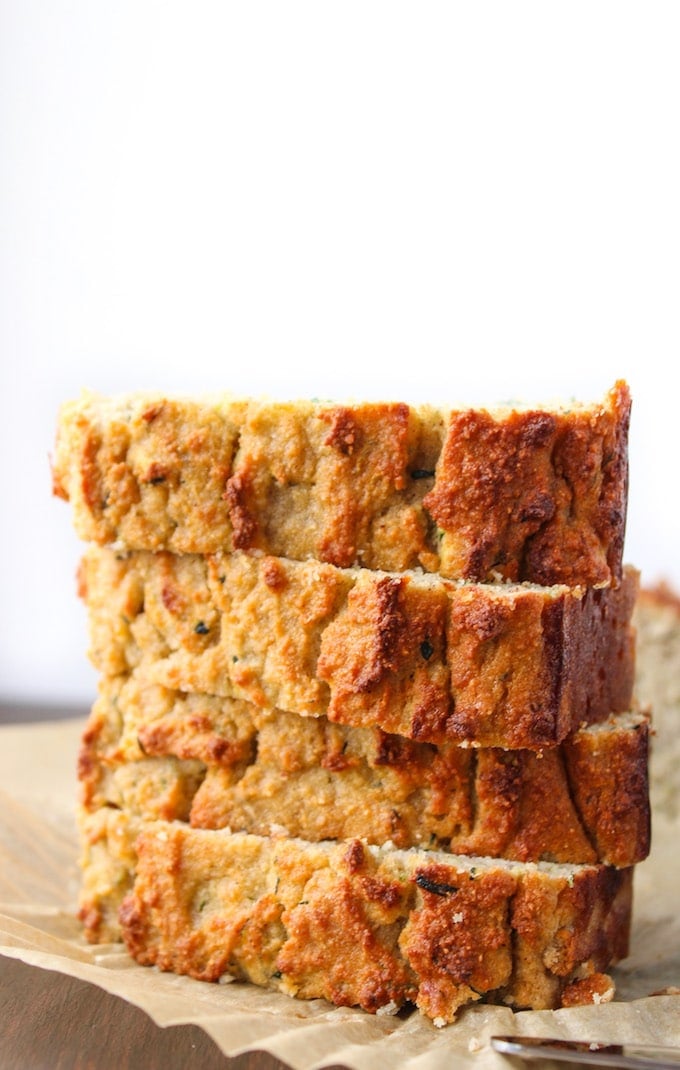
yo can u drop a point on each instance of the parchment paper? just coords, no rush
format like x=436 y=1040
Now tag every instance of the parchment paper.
x=38 y=889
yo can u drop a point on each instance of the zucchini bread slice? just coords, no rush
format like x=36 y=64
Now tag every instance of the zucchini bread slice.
x=495 y=665
x=221 y=762
x=536 y=494
x=372 y=927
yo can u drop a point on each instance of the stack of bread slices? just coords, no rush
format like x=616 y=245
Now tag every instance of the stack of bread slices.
x=365 y=725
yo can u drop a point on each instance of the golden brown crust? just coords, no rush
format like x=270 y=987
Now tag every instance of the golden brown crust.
x=537 y=495
x=418 y=656
x=225 y=763
x=561 y=927
x=609 y=777
x=540 y=494
x=431 y=929
x=457 y=938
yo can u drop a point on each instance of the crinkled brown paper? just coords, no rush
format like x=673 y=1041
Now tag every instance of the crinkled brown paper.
x=38 y=889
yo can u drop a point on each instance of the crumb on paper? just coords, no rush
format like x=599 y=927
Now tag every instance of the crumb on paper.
x=475 y=1044
x=226 y=979
x=388 y=1008
x=594 y=988
x=439 y=1022
x=604 y=997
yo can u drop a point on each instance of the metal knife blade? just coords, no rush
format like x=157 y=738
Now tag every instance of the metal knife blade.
x=592 y=1053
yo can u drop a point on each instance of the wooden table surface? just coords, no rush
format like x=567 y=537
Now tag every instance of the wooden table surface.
x=49 y=1021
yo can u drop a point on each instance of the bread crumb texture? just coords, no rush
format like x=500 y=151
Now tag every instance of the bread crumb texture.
x=367 y=727
x=518 y=494
x=225 y=763
x=508 y=665
x=355 y=925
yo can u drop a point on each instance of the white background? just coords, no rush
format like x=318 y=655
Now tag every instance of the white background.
x=420 y=201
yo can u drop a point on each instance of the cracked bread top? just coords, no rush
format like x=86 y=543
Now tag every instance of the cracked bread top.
x=512 y=493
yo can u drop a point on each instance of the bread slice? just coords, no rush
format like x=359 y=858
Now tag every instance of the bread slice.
x=478 y=664
x=657 y=684
x=356 y=925
x=536 y=494
x=220 y=762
